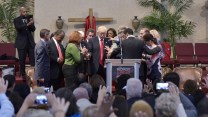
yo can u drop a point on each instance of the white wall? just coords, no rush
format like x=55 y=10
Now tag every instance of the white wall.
x=122 y=12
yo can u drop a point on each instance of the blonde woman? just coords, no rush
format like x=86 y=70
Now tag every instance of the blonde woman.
x=157 y=36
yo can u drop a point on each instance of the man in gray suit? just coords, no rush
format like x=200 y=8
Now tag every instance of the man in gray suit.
x=42 y=59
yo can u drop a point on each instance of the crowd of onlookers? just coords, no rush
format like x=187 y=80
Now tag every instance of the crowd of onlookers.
x=130 y=99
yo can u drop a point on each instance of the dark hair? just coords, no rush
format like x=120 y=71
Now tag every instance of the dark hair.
x=90 y=30
x=121 y=104
x=202 y=107
x=128 y=31
x=172 y=77
x=189 y=87
x=44 y=32
x=96 y=80
x=67 y=94
x=58 y=32
x=10 y=79
x=148 y=37
x=22 y=89
x=113 y=30
x=16 y=101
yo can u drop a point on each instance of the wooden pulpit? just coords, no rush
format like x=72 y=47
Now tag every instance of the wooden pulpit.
x=116 y=67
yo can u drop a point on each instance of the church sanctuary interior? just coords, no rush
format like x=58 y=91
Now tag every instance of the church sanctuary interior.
x=106 y=58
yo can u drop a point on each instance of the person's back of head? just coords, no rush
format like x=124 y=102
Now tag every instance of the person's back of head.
x=88 y=87
x=10 y=79
x=37 y=113
x=80 y=93
x=128 y=31
x=67 y=94
x=16 y=100
x=90 y=111
x=141 y=106
x=96 y=80
x=22 y=89
x=133 y=88
x=190 y=86
x=202 y=108
x=166 y=105
x=172 y=77
x=121 y=104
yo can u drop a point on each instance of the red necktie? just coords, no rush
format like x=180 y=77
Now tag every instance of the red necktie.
x=101 y=51
x=59 y=52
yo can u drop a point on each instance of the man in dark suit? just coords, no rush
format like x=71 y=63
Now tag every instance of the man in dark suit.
x=56 y=53
x=84 y=68
x=98 y=52
x=132 y=48
x=42 y=59
x=24 y=42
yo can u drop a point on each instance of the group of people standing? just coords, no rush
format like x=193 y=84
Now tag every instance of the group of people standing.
x=83 y=56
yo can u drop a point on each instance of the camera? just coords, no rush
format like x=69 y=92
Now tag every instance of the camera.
x=41 y=100
x=162 y=87
x=47 y=89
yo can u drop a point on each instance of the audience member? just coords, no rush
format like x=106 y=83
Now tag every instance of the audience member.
x=141 y=106
x=95 y=81
x=88 y=87
x=6 y=107
x=22 y=89
x=66 y=93
x=187 y=104
x=16 y=100
x=82 y=97
x=121 y=106
x=133 y=91
x=11 y=83
x=202 y=108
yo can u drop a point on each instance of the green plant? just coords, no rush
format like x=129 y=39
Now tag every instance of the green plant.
x=168 y=18
x=8 y=11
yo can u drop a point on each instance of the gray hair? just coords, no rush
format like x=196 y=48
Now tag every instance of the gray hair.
x=133 y=88
x=80 y=93
x=166 y=105
x=88 y=87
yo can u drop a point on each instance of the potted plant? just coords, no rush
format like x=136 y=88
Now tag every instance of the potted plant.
x=166 y=17
x=8 y=11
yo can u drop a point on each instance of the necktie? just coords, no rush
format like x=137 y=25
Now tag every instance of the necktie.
x=59 y=52
x=101 y=51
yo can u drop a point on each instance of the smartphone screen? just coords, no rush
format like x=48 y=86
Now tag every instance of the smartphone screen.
x=162 y=87
x=47 y=89
x=41 y=99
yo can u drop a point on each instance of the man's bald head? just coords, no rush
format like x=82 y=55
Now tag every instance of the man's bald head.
x=23 y=11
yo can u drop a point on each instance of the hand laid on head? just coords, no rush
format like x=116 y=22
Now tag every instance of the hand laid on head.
x=3 y=85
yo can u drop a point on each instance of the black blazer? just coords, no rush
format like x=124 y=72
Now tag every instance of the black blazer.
x=55 y=67
x=94 y=49
x=24 y=33
x=132 y=48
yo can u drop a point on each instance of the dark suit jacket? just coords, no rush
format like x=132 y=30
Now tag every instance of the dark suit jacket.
x=42 y=61
x=132 y=48
x=24 y=33
x=55 y=67
x=94 y=49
